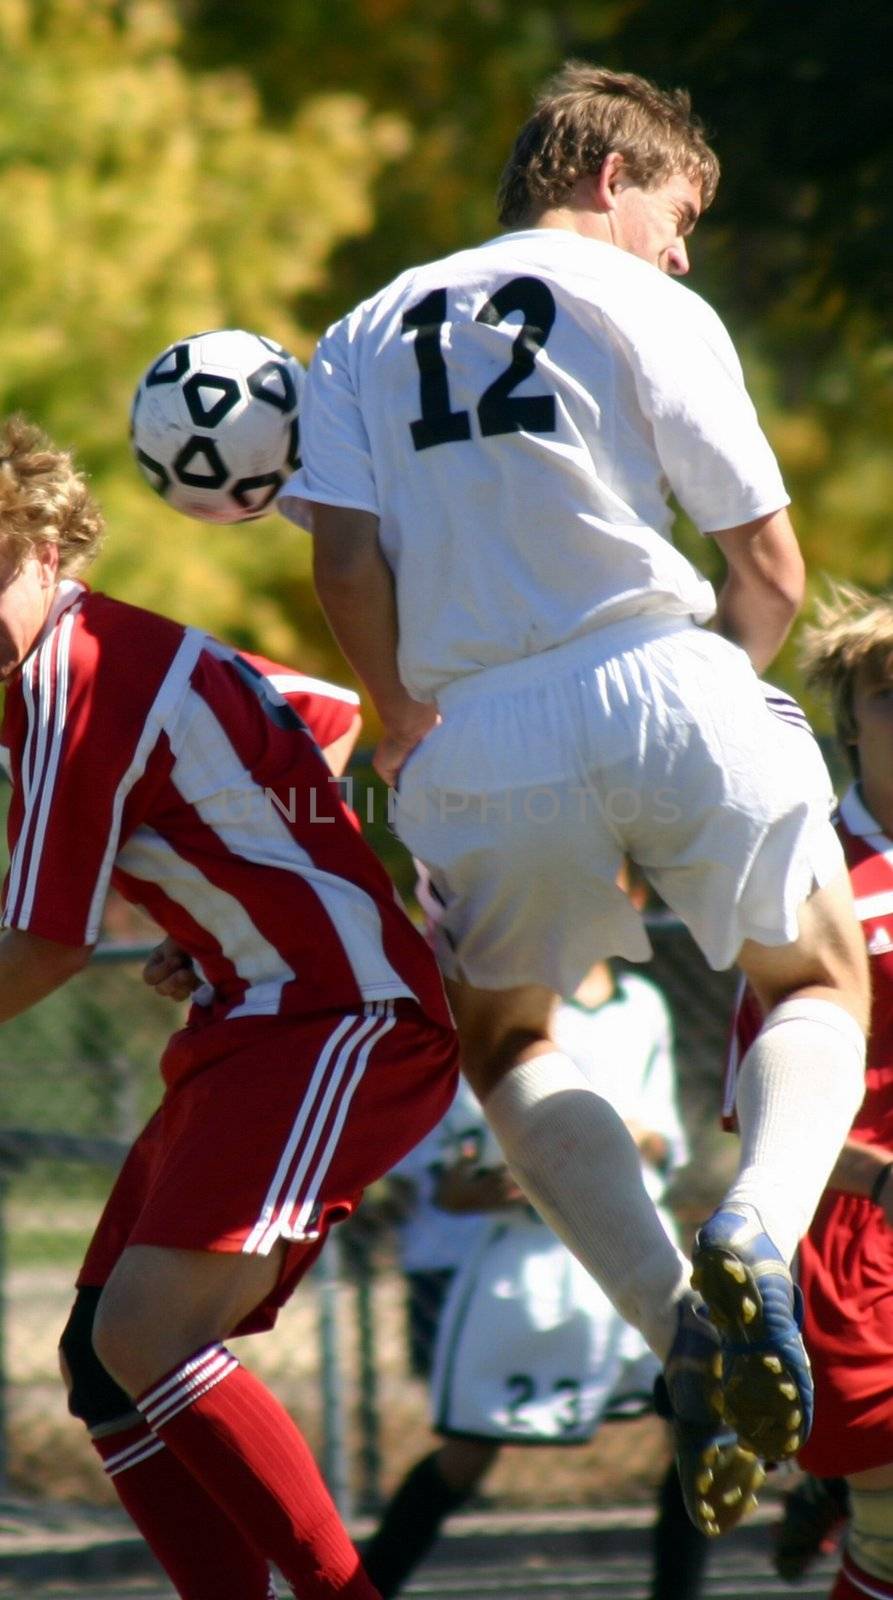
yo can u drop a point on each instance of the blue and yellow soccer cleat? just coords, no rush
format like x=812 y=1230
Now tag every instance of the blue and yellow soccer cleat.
x=719 y=1478
x=767 y=1394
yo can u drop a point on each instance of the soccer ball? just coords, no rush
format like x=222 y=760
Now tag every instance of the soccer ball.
x=214 y=424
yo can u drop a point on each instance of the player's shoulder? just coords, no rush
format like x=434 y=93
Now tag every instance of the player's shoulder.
x=119 y=637
x=640 y=292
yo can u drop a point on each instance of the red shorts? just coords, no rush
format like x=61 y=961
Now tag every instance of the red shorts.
x=271 y=1128
x=846 y=1274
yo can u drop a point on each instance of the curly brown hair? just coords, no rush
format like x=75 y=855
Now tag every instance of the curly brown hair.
x=851 y=638
x=44 y=499
x=581 y=116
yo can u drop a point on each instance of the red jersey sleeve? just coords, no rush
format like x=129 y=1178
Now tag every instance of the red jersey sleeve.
x=83 y=727
x=329 y=711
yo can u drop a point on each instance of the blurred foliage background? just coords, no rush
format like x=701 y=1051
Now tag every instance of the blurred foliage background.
x=168 y=165
x=173 y=164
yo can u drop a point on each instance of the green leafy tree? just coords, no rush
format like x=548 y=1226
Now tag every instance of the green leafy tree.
x=144 y=201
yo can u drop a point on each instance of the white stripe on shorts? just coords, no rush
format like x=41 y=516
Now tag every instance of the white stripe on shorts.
x=335 y=1078
x=295 y=1229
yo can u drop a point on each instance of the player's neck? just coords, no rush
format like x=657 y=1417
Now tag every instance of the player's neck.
x=575 y=219
x=877 y=798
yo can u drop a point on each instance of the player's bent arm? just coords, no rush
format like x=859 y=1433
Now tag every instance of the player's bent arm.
x=763 y=588
x=858 y=1168
x=31 y=968
x=355 y=588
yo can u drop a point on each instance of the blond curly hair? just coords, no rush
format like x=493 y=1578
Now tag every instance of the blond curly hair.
x=851 y=639
x=581 y=116
x=44 y=499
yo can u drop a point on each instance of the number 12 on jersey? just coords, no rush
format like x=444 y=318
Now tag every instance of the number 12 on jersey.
x=499 y=409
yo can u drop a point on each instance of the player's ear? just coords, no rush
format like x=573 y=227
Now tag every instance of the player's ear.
x=47 y=554
x=609 y=180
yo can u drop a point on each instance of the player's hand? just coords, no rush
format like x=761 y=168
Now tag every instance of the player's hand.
x=400 y=740
x=169 y=971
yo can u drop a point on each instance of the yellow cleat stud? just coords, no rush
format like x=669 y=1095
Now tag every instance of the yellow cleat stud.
x=772 y=1363
x=735 y=1270
x=732 y=1496
x=750 y=1504
x=758 y=1479
x=703 y=1482
x=789 y=1390
x=748 y=1308
x=795 y=1419
x=711 y=1455
x=793 y=1445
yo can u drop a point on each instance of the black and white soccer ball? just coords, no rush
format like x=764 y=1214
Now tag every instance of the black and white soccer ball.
x=214 y=424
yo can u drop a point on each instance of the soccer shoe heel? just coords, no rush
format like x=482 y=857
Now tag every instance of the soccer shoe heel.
x=718 y=1478
x=719 y=1484
x=766 y=1382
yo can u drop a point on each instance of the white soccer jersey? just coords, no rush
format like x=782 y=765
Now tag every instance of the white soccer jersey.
x=516 y=415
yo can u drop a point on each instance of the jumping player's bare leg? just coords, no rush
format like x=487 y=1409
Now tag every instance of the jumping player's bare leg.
x=574 y=1157
x=799 y=1089
x=159 y=1329
x=579 y=1166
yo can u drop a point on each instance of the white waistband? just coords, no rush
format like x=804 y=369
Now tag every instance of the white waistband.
x=589 y=650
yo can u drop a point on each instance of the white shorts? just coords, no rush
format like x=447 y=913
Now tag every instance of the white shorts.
x=529 y=1348
x=651 y=738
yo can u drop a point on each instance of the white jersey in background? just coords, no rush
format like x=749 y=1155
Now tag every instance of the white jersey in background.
x=625 y=1048
x=529 y=1348
x=529 y=405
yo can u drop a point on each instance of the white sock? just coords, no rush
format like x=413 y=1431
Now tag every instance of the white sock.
x=572 y=1155
x=799 y=1088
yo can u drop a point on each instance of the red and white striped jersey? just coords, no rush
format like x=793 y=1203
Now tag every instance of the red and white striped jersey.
x=148 y=755
x=869 y=857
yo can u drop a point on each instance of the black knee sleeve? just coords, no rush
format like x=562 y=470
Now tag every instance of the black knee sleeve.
x=94 y=1395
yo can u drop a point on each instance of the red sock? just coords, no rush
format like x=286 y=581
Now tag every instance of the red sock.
x=242 y=1445
x=204 y=1554
x=854 y=1584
